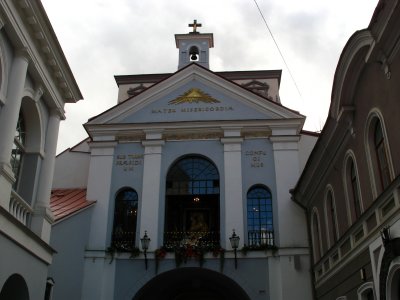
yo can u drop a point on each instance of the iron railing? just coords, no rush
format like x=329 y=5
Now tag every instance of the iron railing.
x=124 y=240
x=204 y=239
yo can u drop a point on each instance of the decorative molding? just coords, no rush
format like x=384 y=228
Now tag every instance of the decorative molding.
x=193 y=136
x=194 y=95
x=6 y=172
x=38 y=94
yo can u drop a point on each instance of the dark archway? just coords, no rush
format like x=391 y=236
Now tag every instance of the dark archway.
x=15 y=288
x=191 y=283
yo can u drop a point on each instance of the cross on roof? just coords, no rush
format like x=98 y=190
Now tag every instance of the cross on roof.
x=195 y=25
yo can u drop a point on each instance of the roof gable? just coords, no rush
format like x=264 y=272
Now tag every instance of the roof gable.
x=194 y=94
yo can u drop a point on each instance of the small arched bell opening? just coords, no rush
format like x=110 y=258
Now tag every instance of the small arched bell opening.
x=191 y=283
x=194 y=54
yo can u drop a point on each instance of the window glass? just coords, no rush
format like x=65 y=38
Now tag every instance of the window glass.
x=380 y=150
x=18 y=149
x=259 y=217
x=125 y=218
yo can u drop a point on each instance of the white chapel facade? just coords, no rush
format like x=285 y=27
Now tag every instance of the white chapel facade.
x=186 y=158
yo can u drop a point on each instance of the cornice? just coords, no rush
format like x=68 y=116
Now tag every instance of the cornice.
x=30 y=27
x=192 y=129
x=345 y=68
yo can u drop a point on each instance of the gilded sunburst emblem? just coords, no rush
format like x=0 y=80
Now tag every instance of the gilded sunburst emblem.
x=194 y=95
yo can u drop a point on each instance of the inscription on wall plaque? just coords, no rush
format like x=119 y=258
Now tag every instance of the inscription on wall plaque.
x=256 y=158
x=129 y=162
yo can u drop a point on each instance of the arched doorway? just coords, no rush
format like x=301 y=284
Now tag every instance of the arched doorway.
x=192 y=203
x=191 y=283
x=15 y=288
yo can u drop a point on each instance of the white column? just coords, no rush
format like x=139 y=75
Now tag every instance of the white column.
x=8 y=122
x=150 y=201
x=42 y=216
x=99 y=189
x=233 y=190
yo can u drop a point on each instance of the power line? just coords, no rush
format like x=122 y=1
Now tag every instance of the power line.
x=279 y=50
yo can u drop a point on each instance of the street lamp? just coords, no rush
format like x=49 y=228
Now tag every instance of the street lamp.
x=234 y=239
x=145 y=241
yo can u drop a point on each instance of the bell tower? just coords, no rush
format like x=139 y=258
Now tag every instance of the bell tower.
x=194 y=47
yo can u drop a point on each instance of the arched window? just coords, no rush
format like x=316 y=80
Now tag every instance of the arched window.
x=260 y=228
x=366 y=292
x=381 y=156
x=353 y=190
x=378 y=154
x=192 y=203
x=18 y=149
x=316 y=236
x=331 y=219
x=125 y=218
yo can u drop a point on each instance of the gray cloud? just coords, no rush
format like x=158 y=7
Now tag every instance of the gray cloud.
x=106 y=38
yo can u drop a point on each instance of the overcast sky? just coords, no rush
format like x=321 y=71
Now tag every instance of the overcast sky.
x=102 y=38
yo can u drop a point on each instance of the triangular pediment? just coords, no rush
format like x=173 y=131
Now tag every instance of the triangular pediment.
x=194 y=94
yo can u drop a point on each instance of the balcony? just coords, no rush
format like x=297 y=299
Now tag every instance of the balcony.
x=19 y=208
x=260 y=239
x=124 y=241
x=207 y=240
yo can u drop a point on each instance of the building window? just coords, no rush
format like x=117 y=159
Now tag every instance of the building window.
x=125 y=219
x=381 y=156
x=18 y=149
x=331 y=218
x=355 y=192
x=192 y=203
x=366 y=292
x=316 y=236
x=260 y=228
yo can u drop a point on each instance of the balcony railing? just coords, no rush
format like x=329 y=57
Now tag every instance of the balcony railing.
x=124 y=240
x=19 y=208
x=208 y=240
x=204 y=239
x=260 y=238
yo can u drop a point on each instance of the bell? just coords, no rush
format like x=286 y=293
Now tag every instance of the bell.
x=193 y=56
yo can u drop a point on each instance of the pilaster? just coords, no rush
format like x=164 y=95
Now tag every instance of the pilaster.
x=98 y=189
x=150 y=200
x=42 y=216
x=287 y=172
x=233 y=188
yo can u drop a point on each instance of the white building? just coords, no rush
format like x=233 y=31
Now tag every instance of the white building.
x=35 y=83
x=185 y=157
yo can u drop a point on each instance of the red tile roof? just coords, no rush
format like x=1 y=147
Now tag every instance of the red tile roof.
x=65 y=202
